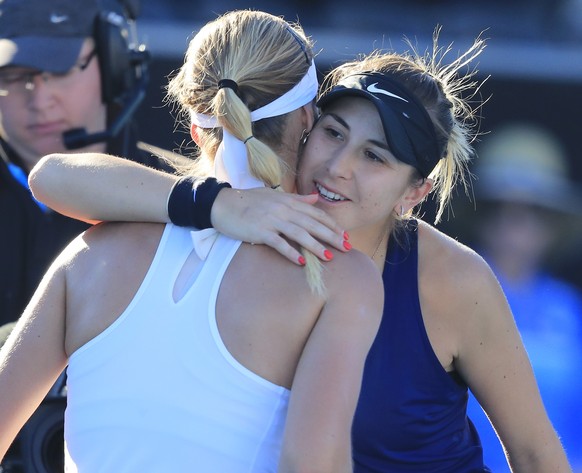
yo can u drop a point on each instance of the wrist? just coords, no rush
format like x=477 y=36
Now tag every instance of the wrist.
x=220 y=207
x=190 y=202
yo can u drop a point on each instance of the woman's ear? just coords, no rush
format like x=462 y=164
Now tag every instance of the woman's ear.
x=414 y=195
x=194 y=134
x=309 y=114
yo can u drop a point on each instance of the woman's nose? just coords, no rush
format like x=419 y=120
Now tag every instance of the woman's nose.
x=340 y=163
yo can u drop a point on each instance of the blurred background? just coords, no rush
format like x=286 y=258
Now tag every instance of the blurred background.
x=524 y=209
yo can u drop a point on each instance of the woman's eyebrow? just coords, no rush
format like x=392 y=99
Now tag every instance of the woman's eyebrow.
x=341 y=121
x=380 y=144
x=336 y=117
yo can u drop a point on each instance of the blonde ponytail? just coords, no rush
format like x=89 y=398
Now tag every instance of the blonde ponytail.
x=259 y=57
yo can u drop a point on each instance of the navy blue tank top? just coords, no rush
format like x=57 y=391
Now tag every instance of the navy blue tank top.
x=411 y=416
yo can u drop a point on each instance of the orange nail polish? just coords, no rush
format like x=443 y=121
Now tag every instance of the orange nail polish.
x=301 y=260
x=347 y=245
x=328 y=255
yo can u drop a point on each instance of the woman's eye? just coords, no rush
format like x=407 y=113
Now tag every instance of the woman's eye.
x=374 y=157
x=333 y=132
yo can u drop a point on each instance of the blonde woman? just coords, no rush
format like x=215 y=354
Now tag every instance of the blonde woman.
x=190 y=351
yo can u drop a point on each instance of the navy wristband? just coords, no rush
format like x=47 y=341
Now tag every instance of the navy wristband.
x=206 y=193
x=180 y=202
x=186 y=211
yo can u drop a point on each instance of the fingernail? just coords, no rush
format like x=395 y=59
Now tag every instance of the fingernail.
x=328 y=255
x=313 y=192
x=346 y=236
x=301 y=260
x=347 y=245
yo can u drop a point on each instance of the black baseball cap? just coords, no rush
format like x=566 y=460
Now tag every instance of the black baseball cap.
x=408 y=128
x=45 y=34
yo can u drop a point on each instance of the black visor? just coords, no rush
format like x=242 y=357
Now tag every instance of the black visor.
x=408 y=128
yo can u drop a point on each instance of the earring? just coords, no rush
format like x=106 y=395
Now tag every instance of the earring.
x=304 y=136
x=401 y=211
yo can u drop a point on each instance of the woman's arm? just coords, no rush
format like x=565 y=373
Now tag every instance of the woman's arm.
x=33 y=357
x=327 y=381
x=493 y=361
x=97 y=187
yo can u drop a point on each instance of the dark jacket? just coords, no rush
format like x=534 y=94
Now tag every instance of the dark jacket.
x=31 y=238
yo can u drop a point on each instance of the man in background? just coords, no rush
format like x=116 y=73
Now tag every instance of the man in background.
x=64 y=65
x=71 y=77
x=527 y=222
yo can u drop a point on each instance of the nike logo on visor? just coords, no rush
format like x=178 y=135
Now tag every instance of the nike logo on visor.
x=56 y=18
x=375 y=90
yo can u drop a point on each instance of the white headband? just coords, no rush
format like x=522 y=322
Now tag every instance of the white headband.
x=231 y=162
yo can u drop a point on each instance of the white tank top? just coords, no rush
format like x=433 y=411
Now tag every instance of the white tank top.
x=158 y=391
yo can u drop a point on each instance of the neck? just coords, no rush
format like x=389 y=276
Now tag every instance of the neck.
x=288 y=183
x=374 y=244
x=379 y=254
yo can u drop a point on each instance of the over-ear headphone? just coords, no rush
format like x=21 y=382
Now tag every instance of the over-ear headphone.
x=124 y=70
x=122 y=60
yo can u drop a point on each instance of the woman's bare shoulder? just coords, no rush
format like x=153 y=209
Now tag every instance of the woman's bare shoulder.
x=109 y=247
x=440 y=254
x=352 y=278
x=454 y=276
x=106 y=267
